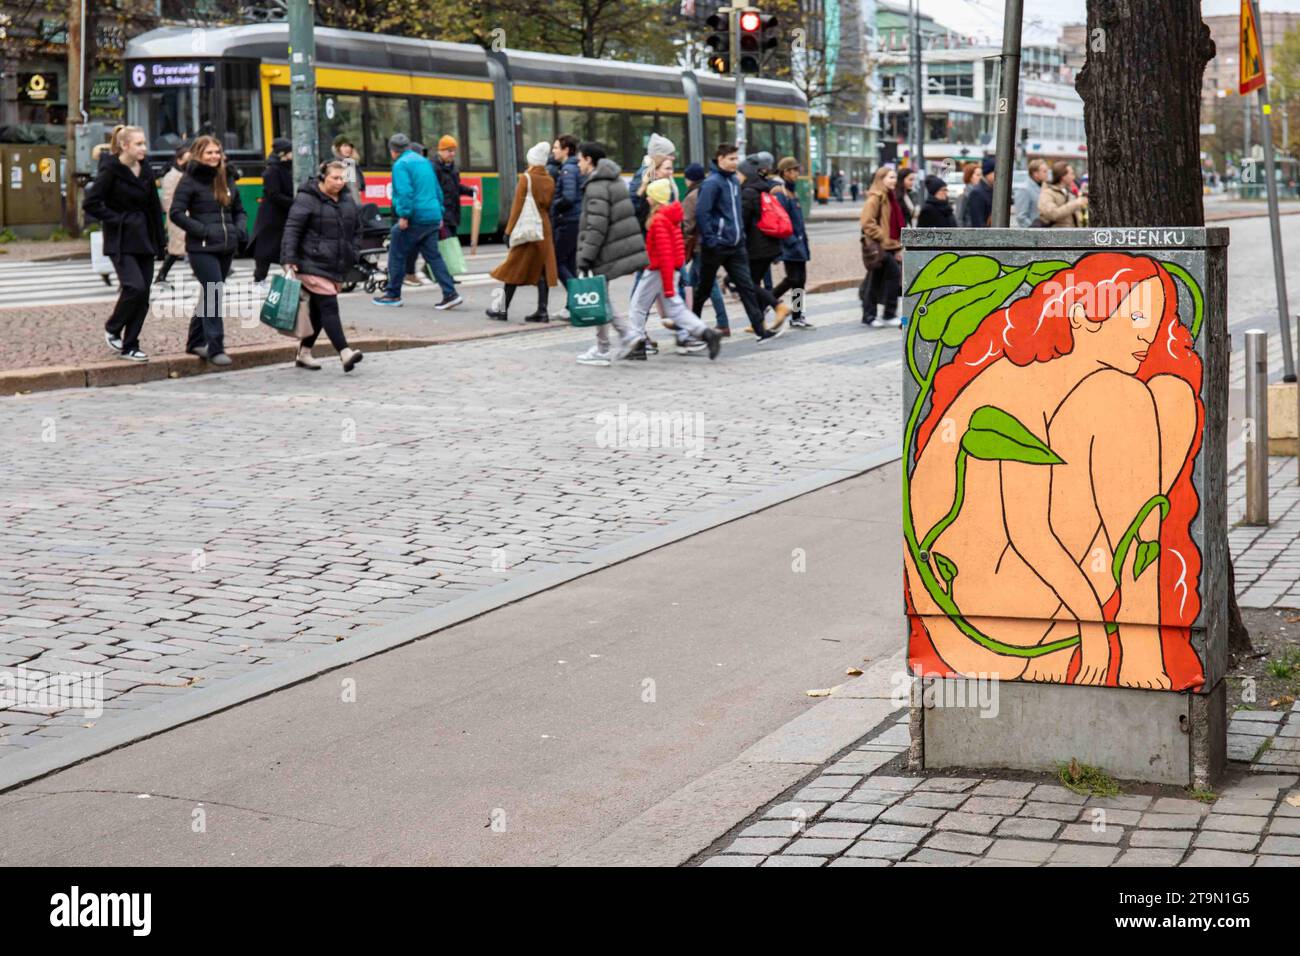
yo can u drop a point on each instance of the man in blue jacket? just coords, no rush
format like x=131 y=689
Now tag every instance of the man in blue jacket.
x=566 y=207
x=721 y=233
x=417 y=206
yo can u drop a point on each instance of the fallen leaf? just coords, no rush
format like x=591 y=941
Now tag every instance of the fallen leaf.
x=1293 y=620
x=1293 y=798
x=854 y=671
x=91 y=724
x=820 y=692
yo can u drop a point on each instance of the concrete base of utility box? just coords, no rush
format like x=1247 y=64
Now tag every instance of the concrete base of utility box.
x=1150 y=736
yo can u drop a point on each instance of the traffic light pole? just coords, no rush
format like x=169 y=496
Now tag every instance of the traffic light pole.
x=302 y=87
x=738 y=72
x=1008 y=119
x=1279 y=268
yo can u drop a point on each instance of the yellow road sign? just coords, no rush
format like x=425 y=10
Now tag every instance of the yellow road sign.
x=1251 y=54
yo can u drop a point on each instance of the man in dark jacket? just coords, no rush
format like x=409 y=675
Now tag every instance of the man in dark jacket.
x=566 y=207
x=449 y=180
x=979 y=207
x=610 y=244
x=937 y=211
x=721 y=230
x=277 y=197
x=761 y=248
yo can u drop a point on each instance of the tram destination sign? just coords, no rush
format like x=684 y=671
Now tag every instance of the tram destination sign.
x=164 y=74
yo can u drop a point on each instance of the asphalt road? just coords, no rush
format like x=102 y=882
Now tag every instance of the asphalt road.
x=557 y=718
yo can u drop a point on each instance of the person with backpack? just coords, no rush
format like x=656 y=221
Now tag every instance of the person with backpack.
x=721 y=230
x=666 y=250
x=207 y=206
x=319 y=247
x=766 y=223
x=795 y=249
x=610 y=245
x=277 y=198
x=124 y=199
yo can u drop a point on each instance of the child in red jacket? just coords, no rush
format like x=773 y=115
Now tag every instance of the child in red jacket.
x=667 y=252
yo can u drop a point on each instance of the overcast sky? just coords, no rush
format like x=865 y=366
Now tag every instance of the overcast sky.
x=1044 y=17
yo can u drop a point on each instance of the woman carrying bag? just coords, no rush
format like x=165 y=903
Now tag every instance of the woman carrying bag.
x=208 y=208
x=319 y=247
x=124 y=199
x=531 y=259
x=882 y=221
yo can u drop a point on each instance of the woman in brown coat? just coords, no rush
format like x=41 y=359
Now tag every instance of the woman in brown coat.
x=882 y=221
x=529 y=263
x=1057 y=204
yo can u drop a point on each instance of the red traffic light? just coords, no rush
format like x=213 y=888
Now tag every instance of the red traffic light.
x=750 y=21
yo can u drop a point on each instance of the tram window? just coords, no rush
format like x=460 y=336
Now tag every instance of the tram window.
x=640 y=126
x=385 y=115
x=609 y=131
x=439 y=118
x=784 y=140
x=242 y=100
x=339 y=114
x=759 y=138
x=572 y=121
x=673 y=126
x=478 y=152
x=539 y=125
x=280 y=113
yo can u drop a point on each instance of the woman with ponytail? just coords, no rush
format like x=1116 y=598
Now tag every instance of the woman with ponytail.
x=1088 y=545
x=207 y=206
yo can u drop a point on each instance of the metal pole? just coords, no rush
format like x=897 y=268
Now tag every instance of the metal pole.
x=740 y=82
x=302 y=87
x=918 y=93
x=1279 y=268
x=1008 y=120
x=1256 y=434
x=76 y=33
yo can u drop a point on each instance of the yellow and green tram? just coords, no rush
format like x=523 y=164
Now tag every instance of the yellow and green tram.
x=233 y=82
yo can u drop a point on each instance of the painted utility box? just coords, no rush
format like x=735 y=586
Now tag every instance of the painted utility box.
x=1064 y=514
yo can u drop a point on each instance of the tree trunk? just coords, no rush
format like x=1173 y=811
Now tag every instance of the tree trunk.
x=1141 y=89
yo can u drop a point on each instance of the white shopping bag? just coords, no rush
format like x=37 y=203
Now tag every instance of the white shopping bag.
x=99 y=263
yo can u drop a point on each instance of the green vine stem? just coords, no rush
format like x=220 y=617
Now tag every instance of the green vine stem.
x=1198 y=301
x=958 y=499
x=1126 y=542
x=912 y=325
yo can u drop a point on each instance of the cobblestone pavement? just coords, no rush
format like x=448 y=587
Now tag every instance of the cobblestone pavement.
x=1266 y=560
x=850 y=814
x=1269 y=740
x=169 y=535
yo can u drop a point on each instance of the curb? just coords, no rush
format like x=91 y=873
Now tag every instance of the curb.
x=108 y=735
x=21 y=381
x=681 y=827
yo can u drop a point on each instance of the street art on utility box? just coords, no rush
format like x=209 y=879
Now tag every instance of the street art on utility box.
x=1055 y=515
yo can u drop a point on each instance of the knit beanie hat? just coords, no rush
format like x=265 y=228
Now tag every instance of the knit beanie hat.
x=933 y=184
x=989 y=165
x=693 y=173
x=660 y=146
x=538 y=155
x=660 y=191
x=447 y=142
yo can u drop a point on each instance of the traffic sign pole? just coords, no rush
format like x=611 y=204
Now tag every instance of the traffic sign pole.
x=738 y=72
x=302 y=87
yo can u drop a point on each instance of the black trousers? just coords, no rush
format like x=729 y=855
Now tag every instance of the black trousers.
x=736 y=265
x=170 y=261
x=761 y=269
x=206 y=327
x=566 y=250
x=324 y=313
x=263 y=266
x=135 y=274
x=884 y=286
x=796 y=277
x=543 y=295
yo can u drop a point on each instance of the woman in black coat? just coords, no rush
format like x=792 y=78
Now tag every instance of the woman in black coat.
x=277 y=197
x=320 y=246
x=124 y=198
x=207 y=206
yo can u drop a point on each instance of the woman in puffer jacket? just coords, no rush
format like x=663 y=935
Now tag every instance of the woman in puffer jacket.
x=319 y=247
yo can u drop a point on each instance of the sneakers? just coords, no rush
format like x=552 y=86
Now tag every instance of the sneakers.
x=114 y=342
x=449 y=301
x=393 y=301
x=221 y=358
x=135 y=355
x=770 y=334
x=350 y=358
x=801 y=323
x=712 y=342
x=891 y=322
x=594 y=356
x=200 y=350
x=781 y=314
x=412 y=280
x=538 y=316
x=638 y=351
x=651 y=347
x=562 y=315
x=691 y=347
x=723 y=330
x=306 y=360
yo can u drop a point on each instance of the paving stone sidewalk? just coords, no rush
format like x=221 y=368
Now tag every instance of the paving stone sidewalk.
x=167 y=536
x=1266 y=560
x=854 y=813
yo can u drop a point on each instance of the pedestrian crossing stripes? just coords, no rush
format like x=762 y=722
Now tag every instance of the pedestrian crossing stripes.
x=73 y=282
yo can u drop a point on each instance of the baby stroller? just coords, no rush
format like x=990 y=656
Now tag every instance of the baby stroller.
x=373 y=245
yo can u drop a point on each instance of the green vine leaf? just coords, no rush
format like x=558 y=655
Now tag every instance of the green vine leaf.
x=1144 y=557
x=956 y=315
x=948 y=268
x=1039 y=271
x=947 y=568
x=994 y=435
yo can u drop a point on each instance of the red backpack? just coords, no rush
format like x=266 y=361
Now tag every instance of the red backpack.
x=773 y=220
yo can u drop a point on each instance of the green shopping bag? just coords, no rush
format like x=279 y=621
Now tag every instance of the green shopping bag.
x=453 y=255
x=280 y=310
x=588 y=301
